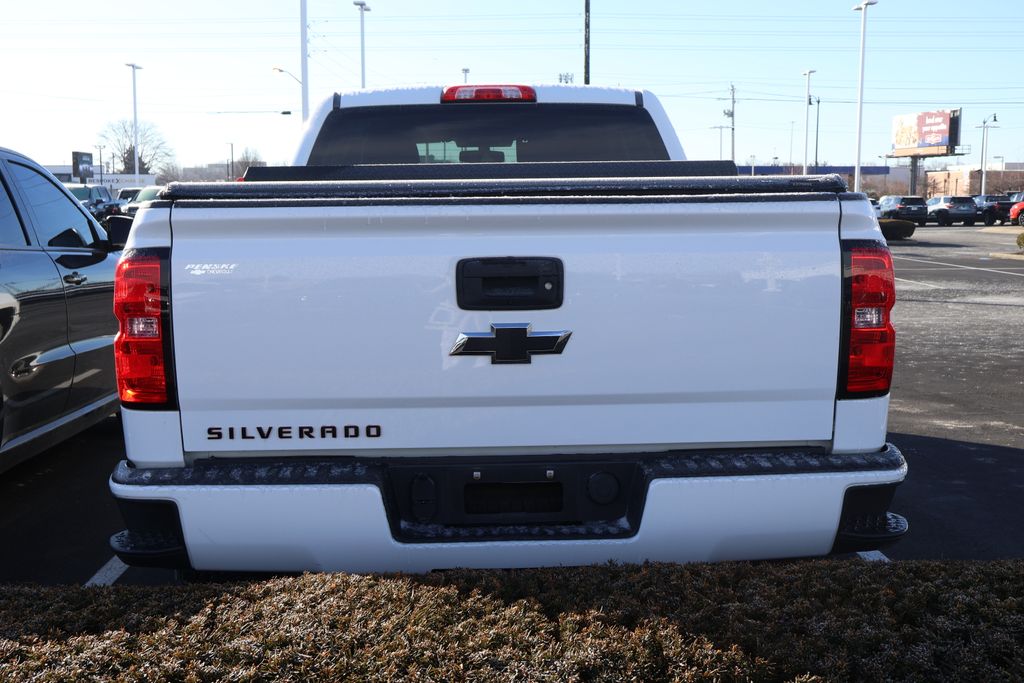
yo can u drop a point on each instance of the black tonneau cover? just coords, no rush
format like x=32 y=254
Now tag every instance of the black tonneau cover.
x=504 y=181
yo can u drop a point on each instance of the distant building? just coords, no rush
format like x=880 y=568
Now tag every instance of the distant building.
x=965 y=180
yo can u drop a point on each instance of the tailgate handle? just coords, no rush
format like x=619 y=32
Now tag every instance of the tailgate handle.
x=509 y=283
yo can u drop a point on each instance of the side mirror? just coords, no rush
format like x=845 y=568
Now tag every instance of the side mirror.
x=118 y=228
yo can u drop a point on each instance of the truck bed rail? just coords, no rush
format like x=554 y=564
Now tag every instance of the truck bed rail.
x=508 y=181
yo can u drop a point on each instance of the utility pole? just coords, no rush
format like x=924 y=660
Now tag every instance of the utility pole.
x=586 y=42
x=731 y=115
x=465 y=75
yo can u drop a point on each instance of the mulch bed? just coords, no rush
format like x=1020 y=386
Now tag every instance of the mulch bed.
x=842 y=620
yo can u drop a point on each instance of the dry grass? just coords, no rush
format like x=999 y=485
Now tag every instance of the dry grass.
x=792 y=621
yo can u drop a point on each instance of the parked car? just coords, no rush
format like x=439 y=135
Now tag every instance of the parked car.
x=1016 y=211
x=146 y=194
x=57 y=322
x=127 y=194
x=946 y=210
x=875 y=205
x=96 y=199
x=993 y=207
x=904 y=207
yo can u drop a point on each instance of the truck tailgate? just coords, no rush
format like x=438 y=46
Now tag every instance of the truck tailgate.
x=328 y=328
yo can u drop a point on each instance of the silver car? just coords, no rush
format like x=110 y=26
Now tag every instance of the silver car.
x=946 y=210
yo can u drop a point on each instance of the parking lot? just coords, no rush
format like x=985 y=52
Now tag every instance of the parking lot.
x=956 y=414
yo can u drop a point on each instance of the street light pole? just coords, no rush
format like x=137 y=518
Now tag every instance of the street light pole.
x=984 y=147
x=863 y=9
x=363 y=9
x=100 y=148
x=135 y=121
x=720 y=129
x=303 y=59
x=807 y=119
x=817 y=129
x=465 y=75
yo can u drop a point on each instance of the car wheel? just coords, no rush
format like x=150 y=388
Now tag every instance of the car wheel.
x=1020 y=219
x=921 y=224
x=990 y=219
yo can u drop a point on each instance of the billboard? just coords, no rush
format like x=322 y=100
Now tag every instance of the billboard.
x=929 y=133
x=81 y=165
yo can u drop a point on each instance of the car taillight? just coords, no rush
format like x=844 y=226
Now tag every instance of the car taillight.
x=870 y=340
x=901 y=206
x=140 y=306
x=489 y=93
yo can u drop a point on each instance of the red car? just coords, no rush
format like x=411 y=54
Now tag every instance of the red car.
x=1017 y=210
x=1017 y=213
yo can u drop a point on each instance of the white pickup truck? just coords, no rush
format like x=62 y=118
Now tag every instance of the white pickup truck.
x=396 y=356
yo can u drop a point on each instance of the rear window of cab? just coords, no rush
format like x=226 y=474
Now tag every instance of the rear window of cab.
x=487 y=132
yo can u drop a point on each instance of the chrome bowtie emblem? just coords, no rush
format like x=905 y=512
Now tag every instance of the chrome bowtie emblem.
x=510 y=343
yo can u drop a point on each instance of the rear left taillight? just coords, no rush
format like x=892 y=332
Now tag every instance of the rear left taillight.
x=869 y=289
x=142 y=342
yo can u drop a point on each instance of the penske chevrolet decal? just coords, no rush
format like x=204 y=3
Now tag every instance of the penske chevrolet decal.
x=293 y=432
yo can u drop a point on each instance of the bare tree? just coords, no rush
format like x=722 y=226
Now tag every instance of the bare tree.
x=168 y=173
x=154 y=151
x=249 y=157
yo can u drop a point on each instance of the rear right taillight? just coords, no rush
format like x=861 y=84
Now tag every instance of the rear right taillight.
x=141 y=348
x=869 y=285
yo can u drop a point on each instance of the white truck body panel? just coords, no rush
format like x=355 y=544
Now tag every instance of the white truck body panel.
x=689 y=326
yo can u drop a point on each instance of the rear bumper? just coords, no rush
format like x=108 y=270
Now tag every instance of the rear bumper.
x=300 y=514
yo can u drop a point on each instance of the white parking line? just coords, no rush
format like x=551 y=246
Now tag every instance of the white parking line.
x=954 y=265
x=108 y=573
x=873 y=556
x=915 y=282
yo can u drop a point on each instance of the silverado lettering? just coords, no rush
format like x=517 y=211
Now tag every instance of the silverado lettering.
x=289 y=432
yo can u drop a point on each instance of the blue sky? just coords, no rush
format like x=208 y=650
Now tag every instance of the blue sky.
x=207 y=77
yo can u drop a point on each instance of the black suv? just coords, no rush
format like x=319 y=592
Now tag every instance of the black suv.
x=57 y=321
x=904 y=208
x=96 y=199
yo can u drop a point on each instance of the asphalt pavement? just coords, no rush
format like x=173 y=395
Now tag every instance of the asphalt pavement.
x=957 y=413
x=957 y=406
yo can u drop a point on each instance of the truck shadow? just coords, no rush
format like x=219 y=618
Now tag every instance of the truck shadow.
x=964 y=500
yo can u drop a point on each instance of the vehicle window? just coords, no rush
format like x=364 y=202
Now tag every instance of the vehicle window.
x=104 y=194
x=913 y=201
x=491 y=132
x=11 y=231
x=962 y=200
x=58 y=222
x=81 y=193
x=147 y=194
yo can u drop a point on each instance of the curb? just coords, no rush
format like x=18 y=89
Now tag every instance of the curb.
x=1003 y=230
x=1015 y=257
